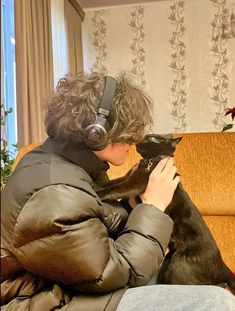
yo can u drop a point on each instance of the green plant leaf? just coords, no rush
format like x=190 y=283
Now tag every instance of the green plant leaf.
x=227 y=127
x=8 y=111
x=6 y=156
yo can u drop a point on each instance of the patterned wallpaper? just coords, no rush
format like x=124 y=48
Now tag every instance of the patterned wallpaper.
x=179 y=51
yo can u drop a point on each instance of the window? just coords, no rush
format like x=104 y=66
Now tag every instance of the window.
x=59 y=40
x=8 y=81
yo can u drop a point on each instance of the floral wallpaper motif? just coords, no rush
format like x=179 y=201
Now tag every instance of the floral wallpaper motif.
x=178 y=89
x=220 y=79
x=98 y=41
x=179 y=51
x=137 y=47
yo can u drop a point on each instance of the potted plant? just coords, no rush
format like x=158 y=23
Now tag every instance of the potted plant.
x=232 y=112
x=7 y=157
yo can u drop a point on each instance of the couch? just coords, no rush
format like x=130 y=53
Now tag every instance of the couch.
x=206 y=163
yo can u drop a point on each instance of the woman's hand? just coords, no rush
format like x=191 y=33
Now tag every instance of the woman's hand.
x=161 y=185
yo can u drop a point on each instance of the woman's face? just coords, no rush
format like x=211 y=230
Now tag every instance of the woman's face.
x=116 y=154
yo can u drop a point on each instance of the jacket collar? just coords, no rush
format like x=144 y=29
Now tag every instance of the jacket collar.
x=79 y=154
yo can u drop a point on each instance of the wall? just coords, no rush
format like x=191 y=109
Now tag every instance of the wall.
x=180 y=52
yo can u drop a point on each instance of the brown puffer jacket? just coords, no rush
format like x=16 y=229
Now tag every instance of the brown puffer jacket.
x=62 y=248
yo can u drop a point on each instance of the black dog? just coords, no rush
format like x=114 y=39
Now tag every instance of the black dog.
x=193 y=256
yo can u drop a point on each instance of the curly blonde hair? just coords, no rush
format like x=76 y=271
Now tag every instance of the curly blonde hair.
x=75 y=102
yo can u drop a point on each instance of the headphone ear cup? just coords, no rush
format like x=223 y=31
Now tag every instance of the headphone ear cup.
x=95 y=137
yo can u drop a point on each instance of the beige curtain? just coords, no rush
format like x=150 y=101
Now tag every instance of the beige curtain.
x=34 y=67
x=59 y=40
x=73 y=21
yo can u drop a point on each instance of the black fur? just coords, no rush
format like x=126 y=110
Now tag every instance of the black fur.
x=193 y=256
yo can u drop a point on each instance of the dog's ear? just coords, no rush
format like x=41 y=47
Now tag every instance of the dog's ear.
x=176 y=141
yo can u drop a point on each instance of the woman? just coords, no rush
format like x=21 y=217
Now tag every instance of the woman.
x=62 y=247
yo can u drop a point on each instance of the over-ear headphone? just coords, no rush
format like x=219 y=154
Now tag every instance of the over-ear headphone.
x=95 y=135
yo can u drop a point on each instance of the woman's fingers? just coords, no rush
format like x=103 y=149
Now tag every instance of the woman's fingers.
x=160 y=166
x=168 y=167
x=161 y=185
x=172 y=173
x=175 y=182
x=165 y=167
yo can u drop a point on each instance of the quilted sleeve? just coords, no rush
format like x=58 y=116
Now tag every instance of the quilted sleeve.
x=59 y=235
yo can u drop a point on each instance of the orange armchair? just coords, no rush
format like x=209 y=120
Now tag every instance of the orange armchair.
x=206 y=163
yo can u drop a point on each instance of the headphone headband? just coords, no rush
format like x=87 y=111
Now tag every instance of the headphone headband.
x=95 y=135
x=107 y=96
